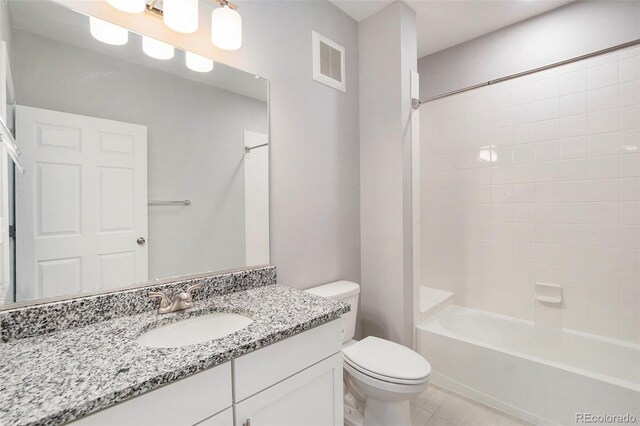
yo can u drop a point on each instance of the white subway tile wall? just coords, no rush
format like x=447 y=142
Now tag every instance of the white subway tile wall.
x=537 y=179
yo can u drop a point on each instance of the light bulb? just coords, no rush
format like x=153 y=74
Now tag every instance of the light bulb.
x=129 y=6
x=226 y=28
x=198 y=63
x=156 y=48
x=181 y=15
x=107 y=32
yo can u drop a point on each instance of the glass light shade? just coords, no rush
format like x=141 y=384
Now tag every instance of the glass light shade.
x=226 y=28
x=129 y=6
x=198 y=63
x=181 y=15
x=107 y=32
x=157 y=49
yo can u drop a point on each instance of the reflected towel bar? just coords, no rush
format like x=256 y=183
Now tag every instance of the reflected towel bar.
x=247 y=149
x=169 y=203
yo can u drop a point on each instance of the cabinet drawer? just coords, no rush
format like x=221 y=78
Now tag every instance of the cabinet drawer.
x=313 y=397
x=184 y=402
x=258 y=370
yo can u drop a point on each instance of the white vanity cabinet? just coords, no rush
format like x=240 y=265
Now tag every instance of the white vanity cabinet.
x=296 y=381
x=311 y=397
x=224 y=418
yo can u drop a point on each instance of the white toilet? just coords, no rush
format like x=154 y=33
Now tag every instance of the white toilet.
x=381 y=375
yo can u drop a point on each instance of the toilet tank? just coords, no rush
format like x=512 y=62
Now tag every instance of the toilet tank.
x=343 y=291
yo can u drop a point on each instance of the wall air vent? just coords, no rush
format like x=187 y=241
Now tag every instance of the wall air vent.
x=328 y=62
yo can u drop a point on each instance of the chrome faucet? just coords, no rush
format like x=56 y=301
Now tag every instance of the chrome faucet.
x=180 y=302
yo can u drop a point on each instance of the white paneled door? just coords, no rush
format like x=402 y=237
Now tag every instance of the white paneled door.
x=81 y=206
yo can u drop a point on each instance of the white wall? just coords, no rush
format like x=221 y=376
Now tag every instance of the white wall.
x=538 y=180
x=387 y=56
x=575 y=29
x=199 y=157
x=315 y=210
x=5 y=26
x=256 y=199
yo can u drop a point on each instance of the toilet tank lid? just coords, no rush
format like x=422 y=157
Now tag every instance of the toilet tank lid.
x=336 y=290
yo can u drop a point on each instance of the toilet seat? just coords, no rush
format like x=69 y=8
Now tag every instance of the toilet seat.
x=390 y=362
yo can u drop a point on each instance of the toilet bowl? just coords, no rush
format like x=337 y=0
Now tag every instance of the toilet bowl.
x=388 y=375
x=381 y=377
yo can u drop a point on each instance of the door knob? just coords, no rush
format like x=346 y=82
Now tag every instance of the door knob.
x=141 y=241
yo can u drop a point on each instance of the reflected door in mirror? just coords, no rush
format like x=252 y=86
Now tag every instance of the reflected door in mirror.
x=81 y=204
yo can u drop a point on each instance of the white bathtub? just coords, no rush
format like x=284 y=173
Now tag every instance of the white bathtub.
x=543 y=375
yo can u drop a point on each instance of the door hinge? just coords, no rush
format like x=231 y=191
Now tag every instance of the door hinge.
x=247 y=422
x=12 y=231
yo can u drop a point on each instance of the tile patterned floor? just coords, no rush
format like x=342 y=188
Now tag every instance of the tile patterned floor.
x=439 y=407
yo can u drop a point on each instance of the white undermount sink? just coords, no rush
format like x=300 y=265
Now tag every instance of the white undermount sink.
x=198 y=329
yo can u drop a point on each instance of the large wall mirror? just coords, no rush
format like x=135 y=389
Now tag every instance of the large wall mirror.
x=141 y=161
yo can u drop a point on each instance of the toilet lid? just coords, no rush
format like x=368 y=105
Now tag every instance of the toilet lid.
x=387 y=359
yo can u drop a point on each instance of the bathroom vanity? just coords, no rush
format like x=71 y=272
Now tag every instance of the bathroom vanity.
x=285 y=367
x=296 y=381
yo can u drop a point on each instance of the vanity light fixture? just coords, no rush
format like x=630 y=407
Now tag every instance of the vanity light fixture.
x=198 y=63
x=181 y=15
x=107 y=32
x=226 y=26
x=129 y=6
x=157 y=49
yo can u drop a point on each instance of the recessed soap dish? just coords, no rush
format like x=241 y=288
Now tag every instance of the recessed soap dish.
x=548 y=293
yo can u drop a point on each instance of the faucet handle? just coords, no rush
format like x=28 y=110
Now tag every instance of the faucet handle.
x=164 y=300
x=191 y=288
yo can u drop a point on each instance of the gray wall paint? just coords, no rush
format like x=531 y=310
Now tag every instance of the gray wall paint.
x=387 y=54
x=198 y=156
x=572 y=30
x=315 y=209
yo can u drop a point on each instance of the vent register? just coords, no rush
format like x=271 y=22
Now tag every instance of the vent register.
x=328 y=62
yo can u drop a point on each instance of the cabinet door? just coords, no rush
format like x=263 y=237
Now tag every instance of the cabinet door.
x=312 y=397
x=184 y=402
x=224 y=418
x=260 y=369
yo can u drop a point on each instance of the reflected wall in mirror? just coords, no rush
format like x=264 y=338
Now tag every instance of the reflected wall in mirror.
x=135 y=167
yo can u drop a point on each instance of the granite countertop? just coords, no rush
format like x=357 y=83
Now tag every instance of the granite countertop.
x=58 y=377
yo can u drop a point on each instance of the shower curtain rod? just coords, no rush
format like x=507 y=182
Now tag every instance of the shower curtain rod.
x=415 y=103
